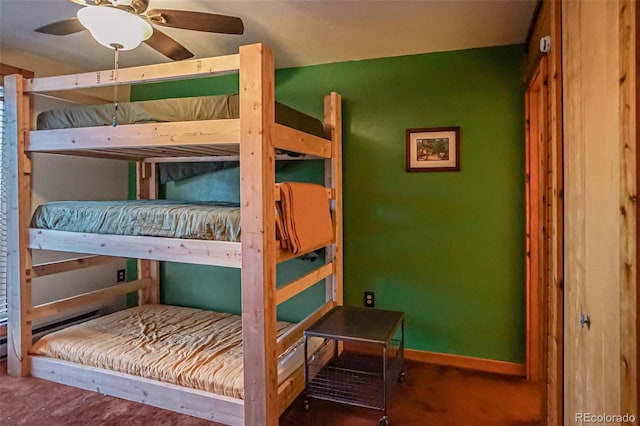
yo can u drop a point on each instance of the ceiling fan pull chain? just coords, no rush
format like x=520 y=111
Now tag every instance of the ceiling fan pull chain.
x=116 y=48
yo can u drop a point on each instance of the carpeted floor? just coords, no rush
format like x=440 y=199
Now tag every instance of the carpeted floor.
x=431 y=395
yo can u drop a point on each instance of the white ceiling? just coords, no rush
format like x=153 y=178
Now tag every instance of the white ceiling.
x=300 y=32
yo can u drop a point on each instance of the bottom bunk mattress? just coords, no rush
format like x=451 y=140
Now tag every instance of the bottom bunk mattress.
x=156 y=218
x=183 y=346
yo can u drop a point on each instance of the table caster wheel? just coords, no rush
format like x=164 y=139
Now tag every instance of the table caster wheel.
x=384 y=421
x=306 y=405
x=402 y=377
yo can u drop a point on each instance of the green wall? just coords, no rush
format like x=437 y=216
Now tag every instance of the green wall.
x=446 y=248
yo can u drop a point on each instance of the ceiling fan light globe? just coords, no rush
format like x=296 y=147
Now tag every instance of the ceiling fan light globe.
x=111 y=26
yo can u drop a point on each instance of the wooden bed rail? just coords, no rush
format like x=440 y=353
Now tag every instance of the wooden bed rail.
x=204 y=252
x=74 y=264
x=294 y=140
x=191 y=134
x=294 y=334
x=205 y=405
x=299 y=285
x=166 y=140
x=137 y=75
x=221 y=158
x=47 y=309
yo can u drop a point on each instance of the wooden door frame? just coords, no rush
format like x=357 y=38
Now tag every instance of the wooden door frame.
x=536 y=165
x=547 y=22
x=637 y=94
x=544 y=355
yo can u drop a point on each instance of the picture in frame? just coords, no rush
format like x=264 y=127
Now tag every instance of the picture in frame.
x=433 y=149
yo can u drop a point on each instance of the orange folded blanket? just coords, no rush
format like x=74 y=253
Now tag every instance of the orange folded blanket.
x=306 y=216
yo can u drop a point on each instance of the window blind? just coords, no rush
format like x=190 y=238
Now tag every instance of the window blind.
x=3 y=220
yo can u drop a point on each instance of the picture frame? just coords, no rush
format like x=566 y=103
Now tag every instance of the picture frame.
x=435 y=149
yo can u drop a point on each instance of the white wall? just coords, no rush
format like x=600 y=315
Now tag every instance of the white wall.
x=59 y=177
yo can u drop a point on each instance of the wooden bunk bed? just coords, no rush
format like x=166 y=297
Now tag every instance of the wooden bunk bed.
x=253 y=139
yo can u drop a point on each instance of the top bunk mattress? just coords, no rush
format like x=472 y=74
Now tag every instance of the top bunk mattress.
x=217 y=107
x=188 y=347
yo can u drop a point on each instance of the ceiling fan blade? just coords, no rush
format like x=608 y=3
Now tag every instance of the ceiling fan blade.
x=198 y=21
x=67 y=26
x=168 y=46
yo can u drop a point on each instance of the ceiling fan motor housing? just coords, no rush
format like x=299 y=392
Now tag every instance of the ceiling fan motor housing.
x=137 y=6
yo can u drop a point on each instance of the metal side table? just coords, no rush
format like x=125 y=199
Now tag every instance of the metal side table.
x=361 y=359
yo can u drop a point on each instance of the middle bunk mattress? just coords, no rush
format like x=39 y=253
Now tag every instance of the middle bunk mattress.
x=203 y=220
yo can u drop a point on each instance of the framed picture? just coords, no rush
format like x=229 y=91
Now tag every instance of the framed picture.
x=433 y=150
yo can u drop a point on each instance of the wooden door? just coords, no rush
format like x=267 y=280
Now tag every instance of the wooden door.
x=599 y=81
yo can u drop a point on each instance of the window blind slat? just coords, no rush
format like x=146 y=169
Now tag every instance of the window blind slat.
x=3 y=217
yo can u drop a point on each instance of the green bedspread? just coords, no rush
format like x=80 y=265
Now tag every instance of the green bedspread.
x=158 y=218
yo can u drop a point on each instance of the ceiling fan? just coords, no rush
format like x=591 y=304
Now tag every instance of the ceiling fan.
x=123 y=24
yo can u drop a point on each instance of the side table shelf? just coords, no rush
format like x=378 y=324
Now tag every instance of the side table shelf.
x=364 y=371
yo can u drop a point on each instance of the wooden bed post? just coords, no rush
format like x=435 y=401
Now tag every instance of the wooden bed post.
x=17 y=173
x=147 y=188
x=257 y=183
x=333 y=179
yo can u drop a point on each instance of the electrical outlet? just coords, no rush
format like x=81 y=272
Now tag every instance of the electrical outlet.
x=369 y=299
x=122 y=275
